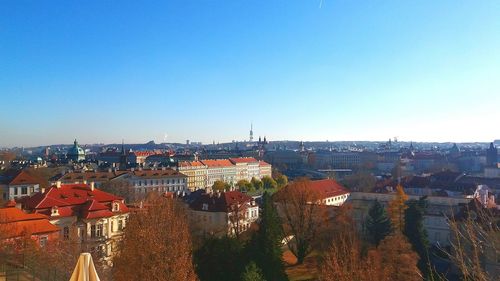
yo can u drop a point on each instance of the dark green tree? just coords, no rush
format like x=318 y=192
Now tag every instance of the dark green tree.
x=219 y=259
x=269 y=183
x=257 y=184
x=416 y=233
x=378 y=224
x=265 y=245
x=252 y=273
x=281 y=180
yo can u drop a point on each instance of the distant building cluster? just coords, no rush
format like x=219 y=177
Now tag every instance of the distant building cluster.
x=204 y=173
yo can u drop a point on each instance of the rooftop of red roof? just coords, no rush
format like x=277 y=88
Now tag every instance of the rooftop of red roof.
x=16 y=223
x=243 y=160
x=68 y=195
x=217 y=163
x=22 y=177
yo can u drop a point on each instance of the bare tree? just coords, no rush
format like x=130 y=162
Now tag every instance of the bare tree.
x=303 y=216
x=475 y=243
x=156 y=244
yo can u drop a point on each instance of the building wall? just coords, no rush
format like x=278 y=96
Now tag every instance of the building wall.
x=335 y=200
x=162 y=184
x=10 y=192
x=439 y=208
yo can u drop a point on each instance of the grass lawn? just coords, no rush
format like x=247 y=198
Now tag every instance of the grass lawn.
x=303 y=272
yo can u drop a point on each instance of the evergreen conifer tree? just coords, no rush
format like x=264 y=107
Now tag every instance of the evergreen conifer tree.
x=252 y=273
x=378 y=225
x=415 y=231
x=265 y=246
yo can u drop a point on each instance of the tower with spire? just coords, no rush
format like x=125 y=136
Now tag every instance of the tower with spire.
x=251 y=132
x=123 y=157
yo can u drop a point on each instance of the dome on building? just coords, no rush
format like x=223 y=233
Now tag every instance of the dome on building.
x=76 y=153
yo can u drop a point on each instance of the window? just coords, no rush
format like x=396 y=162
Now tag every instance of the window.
x=43 y=241
x=120 y=225
x=16 y=191
x=24 y=190
x=99 y=231
x=96 y=230
x=66 y=233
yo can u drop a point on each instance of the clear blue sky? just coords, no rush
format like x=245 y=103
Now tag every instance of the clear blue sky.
x=203 y=70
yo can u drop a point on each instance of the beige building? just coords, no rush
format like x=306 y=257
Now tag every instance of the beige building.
x=226 y=213
x=220 y=170
x=196 y=173
x=202 y=174
x=265 y=169
x=90 y=217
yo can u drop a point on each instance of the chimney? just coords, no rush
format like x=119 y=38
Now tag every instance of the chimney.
x=92 y=186
x=42 y=189
x=58 y=184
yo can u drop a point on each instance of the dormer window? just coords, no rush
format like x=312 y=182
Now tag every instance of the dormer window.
x=54 y=211
x=116 y=207
x=204 y=207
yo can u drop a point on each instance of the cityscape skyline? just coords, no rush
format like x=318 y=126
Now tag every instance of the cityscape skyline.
x=204 y=71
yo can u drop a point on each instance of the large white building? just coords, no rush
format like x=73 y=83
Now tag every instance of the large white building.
x=84 y=214
x=159 y=180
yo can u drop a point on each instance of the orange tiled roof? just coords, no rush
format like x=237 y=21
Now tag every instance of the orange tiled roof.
x=217 y=163
x=327 y=188
x=23 y=177
x=16 y=223
x=191 y=164
x=243 y=160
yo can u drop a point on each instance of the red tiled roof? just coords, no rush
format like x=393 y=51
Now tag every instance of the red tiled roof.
x=263 y=163
x=23 y=177
x=327 y=188
x=11 y=214
x=74 y=200
x=93 y=209
x=190 y=164
x=220 y=202
x=144 y=153
x=67 y=195
x=243 y=160
x=217 y=163
x=16 y=223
